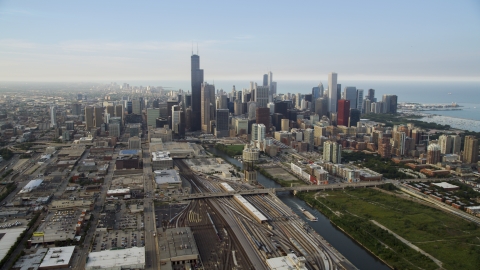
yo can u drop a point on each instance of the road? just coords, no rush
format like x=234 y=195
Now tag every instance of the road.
x=152 y=256
x=81 y=258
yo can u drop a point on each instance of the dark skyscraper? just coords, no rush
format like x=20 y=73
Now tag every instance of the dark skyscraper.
x=371 y=95
x=265 y=79
x=354 y=117
x=343 y=112
x=197 y=80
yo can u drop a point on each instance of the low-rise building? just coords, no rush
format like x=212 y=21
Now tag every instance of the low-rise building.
x=178 y=247
x=161 y=160
x=128 y=258
x=167 y=179
x=57 y=258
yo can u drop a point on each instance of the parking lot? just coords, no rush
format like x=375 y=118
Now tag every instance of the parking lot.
x=165 y=212
x=105 y=240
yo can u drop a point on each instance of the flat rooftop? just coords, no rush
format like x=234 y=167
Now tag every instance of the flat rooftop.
x=178 y=244
x=167 y=177
x=133 y=258
x=8 y=237
x=289 y=262
x=31 y=261
x=128 y=152
x=445 y=185
x=161 y=155
x=57 y=257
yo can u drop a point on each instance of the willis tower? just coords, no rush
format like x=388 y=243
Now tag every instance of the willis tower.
x=197 y=80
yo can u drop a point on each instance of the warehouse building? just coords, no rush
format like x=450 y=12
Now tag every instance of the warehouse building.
x=128 y=258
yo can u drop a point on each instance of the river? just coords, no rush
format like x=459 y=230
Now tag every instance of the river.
x=355 y=253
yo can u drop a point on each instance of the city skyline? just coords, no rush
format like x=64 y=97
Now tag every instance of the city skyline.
x=362 y=41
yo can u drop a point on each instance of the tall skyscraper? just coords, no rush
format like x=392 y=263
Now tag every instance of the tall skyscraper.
x=354 y=117
x=221 y=129
x=321 y=106
x=317 y=91
x=262 y=116
x=433 y=154
x=197 y=80
x=261 y=96
x=343 y=112
x=332 y=92
x=98 y=116
x=350 y=93
x=152 y=115
x=265 y=79
x=390 y=103
x=359 y=100
x=371 y=95
x=445 y=143
x=332 y=152
x=89 y=118
x=207 y=101
x=470 y=149
x=137 y=106
x=270 y=87
x=76 y=109
x=53 y=116
x=119 y=111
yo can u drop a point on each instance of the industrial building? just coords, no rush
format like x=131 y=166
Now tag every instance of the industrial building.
x=178 y=247
x=167 y=179
x=57 y=258
x=289 y=262
x=129 y=258
x=161 y=160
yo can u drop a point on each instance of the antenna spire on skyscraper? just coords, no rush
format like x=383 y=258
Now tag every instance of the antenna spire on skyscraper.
x=192 y=47
x=197 y=48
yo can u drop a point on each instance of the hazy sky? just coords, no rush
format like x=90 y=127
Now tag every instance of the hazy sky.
x=152 y=40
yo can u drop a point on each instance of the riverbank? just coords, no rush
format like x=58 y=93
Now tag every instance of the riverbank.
x=451 y=240
x=349 y=248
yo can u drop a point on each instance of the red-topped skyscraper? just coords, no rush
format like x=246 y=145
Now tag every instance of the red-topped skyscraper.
x=343 y=112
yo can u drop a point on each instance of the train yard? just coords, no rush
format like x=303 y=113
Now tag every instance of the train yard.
x=243 y=232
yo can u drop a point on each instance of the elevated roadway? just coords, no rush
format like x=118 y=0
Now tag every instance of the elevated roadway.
x=365 y=184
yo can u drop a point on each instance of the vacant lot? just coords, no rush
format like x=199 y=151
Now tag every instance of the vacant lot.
x=280 y=173
x=453 y=241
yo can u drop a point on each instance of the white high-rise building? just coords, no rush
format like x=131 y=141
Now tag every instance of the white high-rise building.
x=258 y=132
x=270 y=87
x=175 y=117
x=53 y=116
x=332 y=152
x=332 y=92
x=360 y=100
x=261 y=96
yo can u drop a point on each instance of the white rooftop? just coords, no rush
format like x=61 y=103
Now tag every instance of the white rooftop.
x=118 y=191
x=444 y=185
x=250 y=208
x=227 y=187
x=10 y=237
x=289 y=262
x=33 y=184
x=167 y=177
x=114 y=259
x=161 y=155
x=57 y=257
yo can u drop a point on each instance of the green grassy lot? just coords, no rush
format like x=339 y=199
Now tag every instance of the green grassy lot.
x=231 y=150
x=453 y=241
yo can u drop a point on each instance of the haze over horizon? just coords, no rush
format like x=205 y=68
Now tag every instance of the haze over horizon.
x=122 y=41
